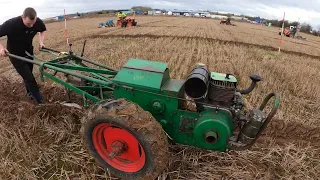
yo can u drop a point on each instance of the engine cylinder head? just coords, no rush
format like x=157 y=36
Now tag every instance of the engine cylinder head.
x=196 y=85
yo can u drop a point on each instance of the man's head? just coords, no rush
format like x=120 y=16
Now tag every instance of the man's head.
x=29 y=17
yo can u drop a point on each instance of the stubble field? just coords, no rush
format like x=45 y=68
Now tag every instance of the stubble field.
x=45 y=142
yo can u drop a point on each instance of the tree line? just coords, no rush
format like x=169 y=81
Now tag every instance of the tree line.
x=304 y=27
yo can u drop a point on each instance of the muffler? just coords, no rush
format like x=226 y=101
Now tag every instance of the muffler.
x=196 y=85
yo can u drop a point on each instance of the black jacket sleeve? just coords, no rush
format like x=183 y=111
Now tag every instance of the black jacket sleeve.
x=41 y=26
x=5 y=28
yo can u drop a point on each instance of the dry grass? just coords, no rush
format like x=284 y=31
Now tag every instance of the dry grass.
x=46 y=143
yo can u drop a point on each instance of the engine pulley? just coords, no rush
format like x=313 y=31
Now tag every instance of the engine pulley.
x=213 y=129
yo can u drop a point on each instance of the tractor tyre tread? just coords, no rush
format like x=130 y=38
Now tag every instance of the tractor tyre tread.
x=141 y=124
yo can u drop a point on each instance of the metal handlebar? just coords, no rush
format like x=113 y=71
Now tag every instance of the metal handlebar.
x=24 y=59
x=272 y=112
x=45 y=48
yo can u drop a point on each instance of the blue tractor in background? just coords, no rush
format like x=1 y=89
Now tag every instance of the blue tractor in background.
x=108 y=23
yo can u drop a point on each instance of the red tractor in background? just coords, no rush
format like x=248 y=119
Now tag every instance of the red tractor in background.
x=227 y=21
x=125 y=21
x=289 y=32
x=286 y=32
x=224 y=21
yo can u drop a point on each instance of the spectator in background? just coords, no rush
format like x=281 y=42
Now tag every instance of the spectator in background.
x=294 y=31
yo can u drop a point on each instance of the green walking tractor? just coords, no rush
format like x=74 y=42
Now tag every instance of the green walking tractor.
x=135 y=112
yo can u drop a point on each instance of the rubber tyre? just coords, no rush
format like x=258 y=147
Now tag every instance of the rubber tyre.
x=141 y=124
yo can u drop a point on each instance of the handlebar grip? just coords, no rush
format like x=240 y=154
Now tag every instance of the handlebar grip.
x=254 y=79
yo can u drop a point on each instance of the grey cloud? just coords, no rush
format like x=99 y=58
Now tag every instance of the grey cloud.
x=308 y=5
x=249 y=7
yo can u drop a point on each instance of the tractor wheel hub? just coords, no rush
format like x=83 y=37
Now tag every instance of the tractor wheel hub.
x=118 y=148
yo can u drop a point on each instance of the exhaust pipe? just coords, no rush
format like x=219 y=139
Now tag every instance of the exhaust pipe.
x=197 y=83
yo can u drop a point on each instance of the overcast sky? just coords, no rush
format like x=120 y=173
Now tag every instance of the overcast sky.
x=308 y=11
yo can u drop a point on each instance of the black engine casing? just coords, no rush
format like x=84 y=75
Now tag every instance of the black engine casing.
x=221 y=93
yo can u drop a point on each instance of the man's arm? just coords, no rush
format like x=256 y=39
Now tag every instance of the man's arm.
x=41 y=39
x=4 y=30
x=41 y=30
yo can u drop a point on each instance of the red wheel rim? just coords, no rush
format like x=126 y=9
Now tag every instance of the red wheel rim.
x=131 y=159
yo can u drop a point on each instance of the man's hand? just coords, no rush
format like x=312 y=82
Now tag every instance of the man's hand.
x=41 y=45
x=3 y=52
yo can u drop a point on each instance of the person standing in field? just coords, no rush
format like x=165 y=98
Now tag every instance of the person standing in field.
x=294 y=31
x=20 y=32
x=121 y=15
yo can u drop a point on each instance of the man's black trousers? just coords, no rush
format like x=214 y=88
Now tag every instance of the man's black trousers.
x=25 y=71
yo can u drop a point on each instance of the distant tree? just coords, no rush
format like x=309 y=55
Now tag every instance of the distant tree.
x=295 y=23
x=306 y=28
x=141 y=8
x=250 y=18
x=278 y=23
x=314 y=32
x=286 y=23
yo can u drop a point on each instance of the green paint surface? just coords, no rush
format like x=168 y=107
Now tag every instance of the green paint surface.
x=148 y=84
x=143 y=74
x=222 y=77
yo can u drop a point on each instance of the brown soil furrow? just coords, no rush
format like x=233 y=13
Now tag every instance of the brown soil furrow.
x=115 y=29
x=295 y=42
x=229 y=33
x=282 y=131
x=5 y=68
x=174 y=27
x=256 y=29
x=315 y=42
x=224 y=42
x=182 y=63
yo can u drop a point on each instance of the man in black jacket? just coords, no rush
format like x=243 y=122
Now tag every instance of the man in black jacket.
x=20 y=32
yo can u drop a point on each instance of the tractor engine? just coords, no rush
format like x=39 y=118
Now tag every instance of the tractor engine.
x=221 y=108
x=205 y=110
x=213 y=90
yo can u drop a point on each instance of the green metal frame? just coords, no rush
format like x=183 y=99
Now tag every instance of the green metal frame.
x=100 y=76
